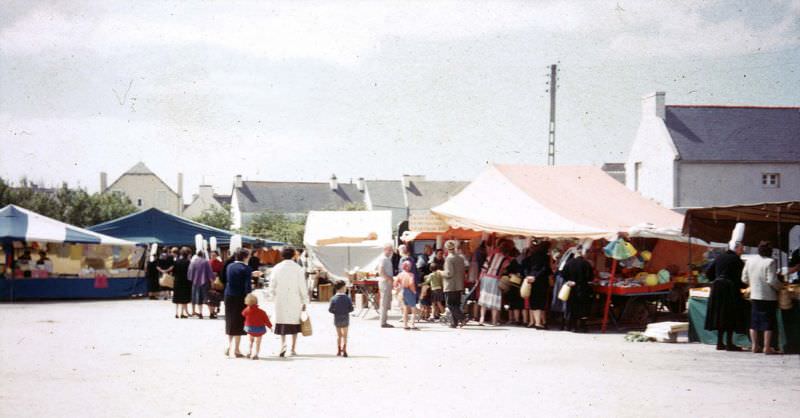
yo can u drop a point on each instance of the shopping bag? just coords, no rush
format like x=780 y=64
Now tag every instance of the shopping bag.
x=218 y=285
x=167 y=281
x=563 y=294
x=525 y=289
x=504 y=284
x=516 y=279
x=305 y=324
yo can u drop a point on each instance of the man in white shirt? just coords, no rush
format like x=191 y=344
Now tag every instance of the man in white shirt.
x=385 y=282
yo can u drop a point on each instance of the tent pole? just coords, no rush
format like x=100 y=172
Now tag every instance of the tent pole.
x=608 y=294
x=780 y=244
x=689 y=264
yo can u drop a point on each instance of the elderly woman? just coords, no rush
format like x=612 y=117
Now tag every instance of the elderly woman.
x=537 y=270
x=760 y=273
x=182 y=292
x=238 y=284
x=288 y=286
x=201 y=276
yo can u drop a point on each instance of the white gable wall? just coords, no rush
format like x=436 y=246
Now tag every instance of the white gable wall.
x=655 y=154
x=721 y=184
x=152 y=192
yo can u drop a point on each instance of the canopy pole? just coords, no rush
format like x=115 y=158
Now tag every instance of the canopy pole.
x=689 y=266
x=780 y=244
x=608 y=293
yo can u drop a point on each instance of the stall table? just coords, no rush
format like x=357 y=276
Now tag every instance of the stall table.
x=368 y=288
x=71 y=288
x=629 y=299
x=788 y=326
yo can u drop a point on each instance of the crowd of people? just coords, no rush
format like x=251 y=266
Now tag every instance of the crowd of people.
x=492 y=276
x=496 y=283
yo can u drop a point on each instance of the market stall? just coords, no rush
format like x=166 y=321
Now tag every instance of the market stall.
x=155 y=226
x=73 y=262
x=566 y=204
x=763 y=222
x=345 y=242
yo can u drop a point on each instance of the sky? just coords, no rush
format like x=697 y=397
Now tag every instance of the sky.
x=302 y=90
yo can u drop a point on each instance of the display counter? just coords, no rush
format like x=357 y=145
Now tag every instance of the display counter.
x=788 y=326
x=71 y=288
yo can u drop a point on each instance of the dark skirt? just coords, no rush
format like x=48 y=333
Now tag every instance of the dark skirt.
x=234 y=321
x=538 y=299
x=763 y=315
x=286 y=329
x=513 y=299
x=579 y=304
x=152 y=283
x=214 y=297
x=437 y=296
x=182 y=293
x=727 y=309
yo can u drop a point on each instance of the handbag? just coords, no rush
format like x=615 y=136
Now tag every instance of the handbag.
x=563 y=294
x=515 y=279
x=525 y=289
x=218 y=285
x=305 y=324
x=504 y=284
x=167 y=280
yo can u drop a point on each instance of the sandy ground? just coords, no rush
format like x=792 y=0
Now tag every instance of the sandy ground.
x=131 y=358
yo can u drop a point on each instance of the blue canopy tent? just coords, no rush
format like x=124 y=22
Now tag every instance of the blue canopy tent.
x=21 y=225
x=155 y=226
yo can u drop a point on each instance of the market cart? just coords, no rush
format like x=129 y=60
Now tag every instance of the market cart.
x=634 y=305
x=369 y=290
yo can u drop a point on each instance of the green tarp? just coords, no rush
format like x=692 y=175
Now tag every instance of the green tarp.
x=788 y=327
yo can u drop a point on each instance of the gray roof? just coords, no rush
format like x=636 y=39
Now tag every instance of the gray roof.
x=139 y=168
x=723 y=133
x=223 y=199
x=427 y=194
x=386 y=194
x=294 y=197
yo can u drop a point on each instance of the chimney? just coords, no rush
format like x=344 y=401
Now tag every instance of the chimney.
x=237 y=181
x=360 y=184
x=653 y=105
x=103 y=181
x=408 y=179
x=206 y=192
x=334 y=183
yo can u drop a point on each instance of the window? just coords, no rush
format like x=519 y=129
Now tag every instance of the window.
x=771 y=180
x=636 y=170
x=139 y=202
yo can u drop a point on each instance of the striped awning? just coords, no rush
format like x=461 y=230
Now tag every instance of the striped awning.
x=19 y=224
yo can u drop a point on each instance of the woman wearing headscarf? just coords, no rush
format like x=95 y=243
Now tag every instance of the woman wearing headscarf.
x=182 y=292
x=727 y=310
x=495 y=266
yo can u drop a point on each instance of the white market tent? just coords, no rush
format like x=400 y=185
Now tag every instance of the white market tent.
x=554 y=202
x=340 y=241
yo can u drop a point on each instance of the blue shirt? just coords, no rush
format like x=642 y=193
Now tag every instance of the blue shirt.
x=341 y=305
x=239 y=279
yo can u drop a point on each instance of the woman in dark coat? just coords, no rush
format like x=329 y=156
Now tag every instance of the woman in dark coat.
x=537 y=272
x=727 y=310
x=578 y=274
x=151 y=270
x=238 y=283
x=182 y=291
x=512 y=297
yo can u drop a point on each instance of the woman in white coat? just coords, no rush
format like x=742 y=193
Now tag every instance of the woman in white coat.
x=290 y=293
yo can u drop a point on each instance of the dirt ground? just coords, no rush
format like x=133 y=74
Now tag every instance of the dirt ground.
x=132 y=358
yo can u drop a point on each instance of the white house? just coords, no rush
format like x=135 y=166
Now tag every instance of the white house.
x=698 y=156
x=146 y=190
x=204 y=200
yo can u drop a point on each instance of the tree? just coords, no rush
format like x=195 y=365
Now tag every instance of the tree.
x=277 y=226
x=73 y=206
x=216 y=217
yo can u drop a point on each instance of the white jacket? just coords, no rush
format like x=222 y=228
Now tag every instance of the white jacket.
x=289 y=290
x=759 y=273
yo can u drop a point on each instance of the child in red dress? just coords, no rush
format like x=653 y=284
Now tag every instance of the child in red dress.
x=256 y=323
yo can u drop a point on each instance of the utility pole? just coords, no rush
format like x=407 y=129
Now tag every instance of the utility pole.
x=551 y=141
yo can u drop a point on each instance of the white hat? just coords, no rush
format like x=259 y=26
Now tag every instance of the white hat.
x=737 y=236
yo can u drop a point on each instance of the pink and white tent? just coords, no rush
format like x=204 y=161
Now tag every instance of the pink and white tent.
x=555 y=202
